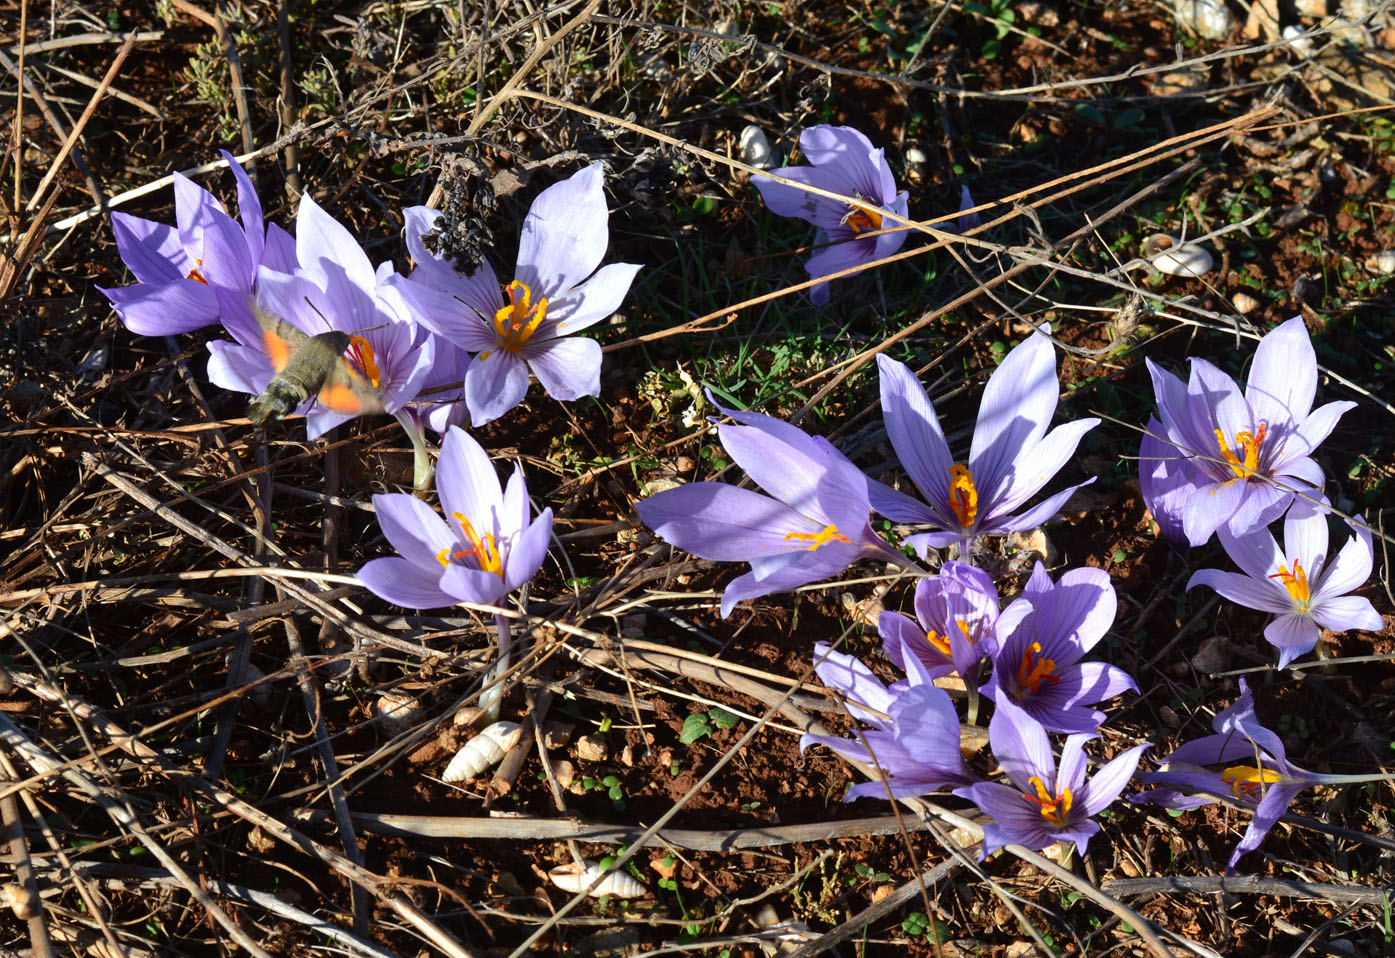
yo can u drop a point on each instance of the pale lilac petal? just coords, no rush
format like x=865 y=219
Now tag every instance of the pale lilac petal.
x=1074 y=763
x=180 y=306
x=1293 y=634
x=1283 y=374
x=867 y=699
x=1311 y=431
x=478 y=291
x=1210 y=507
x=1261 y=502
x=1110 y=781
x=1349 y=570
x=328 y=254
x=1038 y=515
x=249 y=208
x=1100 y=682
x=567 y=368
x=1035 y=466
x=496 y=382
x=472 y=585
x=1267 y=814
x=1164 y=478
x=564 y=234
x=783 y=200
x=279 y=253
x=835 y=259
x=1257 y=554
x=528 y=552
x=152 y=251
x=1021 y=747
x=1243 y=590
x=914 y=431
x=721 y=522
x=903 y=637
x=466 y=480
x=1018 y=401
x=238 y=368
x=594 y=300
x=799 y=568
x=401 y=582
x=899 y=507
x=414 y=529
x=926 y=725
x=1014 y=818
x=1345 y=612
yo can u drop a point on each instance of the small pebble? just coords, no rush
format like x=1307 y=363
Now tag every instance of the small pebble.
x=755 y=148
x=1208 y=19
x=1382 y=262
x=1244 y=303
x=590 y=750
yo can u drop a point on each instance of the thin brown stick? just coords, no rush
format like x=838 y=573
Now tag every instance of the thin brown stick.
x=24 y=877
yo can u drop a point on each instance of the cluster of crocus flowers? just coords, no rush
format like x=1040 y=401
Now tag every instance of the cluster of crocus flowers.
x=1216 y=456
x=1011 y=456
x=1302 y=584
x=557 y=290
x=814 y=523
x=956 y=623
x=855 y=227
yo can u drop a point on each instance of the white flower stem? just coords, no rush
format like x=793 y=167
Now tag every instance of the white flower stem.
x=422 y=469
x=494 y=689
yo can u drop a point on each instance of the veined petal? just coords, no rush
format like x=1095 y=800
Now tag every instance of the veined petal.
x=179 y=306
x=1035 y=466
x=914 y=431
x=724 y=523
x=529 y=550
x=867 y=699
x=1349 y=570
x=1341 y=613
x=467 y=482
x=1243 y=590
x=564 y=234
x=1021 y=747
x=414 y=529
x=1293 y=634
x=151 y=251
x=1164 y=478
x=1257 y=554
x=472 y=585
x=1283 y=374
x=899 y=507
x=477 y=291
x=1209 y=507
x=594 y=300
x=1110 y=781
x=1270 y=809
x=1038 y=515
x=1312 y=430
x=401 y=582
x=567 y=368
x=329 y=255
x=1018 y=401
x=496 y=382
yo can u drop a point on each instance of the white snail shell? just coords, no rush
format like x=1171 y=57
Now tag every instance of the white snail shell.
x=1167 y=256
x=482 y=752
x=618 y=884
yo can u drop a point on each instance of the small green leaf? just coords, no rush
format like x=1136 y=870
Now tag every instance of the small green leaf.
x=722 y=718
x=694 y=727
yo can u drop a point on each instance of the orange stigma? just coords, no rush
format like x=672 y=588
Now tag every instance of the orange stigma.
x=963 y=495
x=861 y=219
x=823 y=537
x=941 y=642
x=1246 y=444
x=483 y=549
x=195 y=274
x=516 y=323
x=1034 y=671
x=1054 y=810
x=1248 y=782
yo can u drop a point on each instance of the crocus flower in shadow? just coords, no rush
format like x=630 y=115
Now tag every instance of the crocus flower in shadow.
x=955 y=625
x=1046 y=803
x=1010 y=458
x=485 y=550
x=202 y=270
x=1264 y=779
x=557 y=290
x=815 y=526
x=1305 y=591
x=1043 y=636
x=1216 y=457
x=844 y=162
x=914 y=734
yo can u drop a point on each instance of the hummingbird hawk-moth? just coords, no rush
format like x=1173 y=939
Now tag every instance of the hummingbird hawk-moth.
x=310 y=367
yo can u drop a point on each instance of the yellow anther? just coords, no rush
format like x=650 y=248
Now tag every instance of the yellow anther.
x=195 y=274
x=483 y=549
x=963 y=495
x=1246 y=444
x=861 y=219
x=823 y=537
x=1247 y=782
x=941 y=642
x=516 y=323
x=1055 y=810
x=1296 y=582
x=1034 y=671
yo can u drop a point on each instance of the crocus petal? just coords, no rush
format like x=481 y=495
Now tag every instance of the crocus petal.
x=564 y=234
x=414 y=529
x=1014 y=818
x=179 y=306
x=1036 y=465
x=721 y=522
x=1165 y=481
x=848 y=151
x=328 y=254
x=1016 y=408
x=1346 y=612
x=1293 y=634
x=1111 y=780
x=903 y=637
x=1261 y=502
x=594 y=300
x=914 y=431
x=1209 y=507
x=1038 y=515
x=1283 y=374
x=899 y=507
x=477 y=291
x=567 y=368
x=1270 y=809
x=1349 y=570
x=496 y=382
x=401 y=582
x=785 y=200
x=863 y=690
x=1021 y=747
x=151 y=251
x=528 y=551
x=1243 y=590
x=472 y=585
x=1315 y=428
x=466 y=479
x=238 y=368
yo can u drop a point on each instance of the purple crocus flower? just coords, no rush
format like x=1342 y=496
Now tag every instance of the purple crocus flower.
x=816 y=525
x=485 y=550
x=203 y=269
x=334 y=287
x=1268 y=783
x=556 y=291
x=845 y=163
x=1216 y=457
x=1046 y=803
x=1305 y=591
x=914 y=738
x=1047 y=631
x=1011 y=456
x=955 y=625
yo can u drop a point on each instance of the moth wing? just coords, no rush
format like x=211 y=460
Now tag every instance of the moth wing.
x=346 y=390
x=281 y=339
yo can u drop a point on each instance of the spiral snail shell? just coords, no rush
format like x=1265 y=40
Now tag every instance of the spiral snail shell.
x=574 y=878
x=483 y=752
